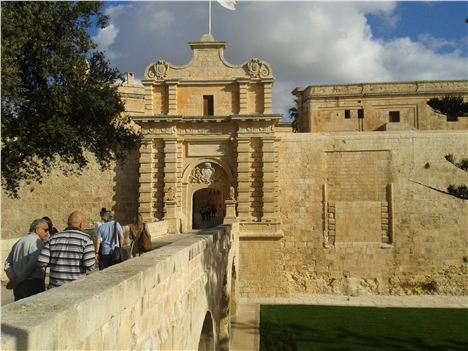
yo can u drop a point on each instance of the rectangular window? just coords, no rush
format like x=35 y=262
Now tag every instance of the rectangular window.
x=208 y=108
x=394 y=116
x=360 y=113
x=347 y=114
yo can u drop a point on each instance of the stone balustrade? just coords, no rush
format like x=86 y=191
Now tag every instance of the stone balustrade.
x=173 y=298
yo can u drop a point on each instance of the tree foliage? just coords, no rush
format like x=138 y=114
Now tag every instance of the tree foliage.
x=450 y=106
x=460 y=191
x=59 y=94
x=462 y=164
x=294 y=116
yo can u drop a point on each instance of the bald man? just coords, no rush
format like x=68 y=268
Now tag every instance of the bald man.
x=70 y=253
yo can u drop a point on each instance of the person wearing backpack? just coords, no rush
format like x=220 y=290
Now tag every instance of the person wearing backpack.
x=109 y=240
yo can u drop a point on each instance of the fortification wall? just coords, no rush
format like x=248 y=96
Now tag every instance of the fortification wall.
x=383 y=106
x=58 y=195
x=360 y=215
x=159 y=301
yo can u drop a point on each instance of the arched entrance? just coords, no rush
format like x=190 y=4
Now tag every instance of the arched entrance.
x=208 y=208
x=205 y=188
x=206 y=342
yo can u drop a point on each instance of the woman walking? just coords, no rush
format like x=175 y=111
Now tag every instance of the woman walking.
x=141 y=240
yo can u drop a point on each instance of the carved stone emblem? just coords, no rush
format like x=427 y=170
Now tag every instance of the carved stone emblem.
x=170 y=194
x=158 y=70
x=232 y=193
x=204 y=173
x=258 y=68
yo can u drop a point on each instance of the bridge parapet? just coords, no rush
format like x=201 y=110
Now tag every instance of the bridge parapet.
x=173 y=298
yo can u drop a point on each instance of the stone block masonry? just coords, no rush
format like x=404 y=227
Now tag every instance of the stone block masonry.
x=159 y=301
x=387 y=230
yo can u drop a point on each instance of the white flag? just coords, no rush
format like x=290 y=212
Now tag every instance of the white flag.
x=229 y=4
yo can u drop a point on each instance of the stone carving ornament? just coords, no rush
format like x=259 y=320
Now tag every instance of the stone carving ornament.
x=204 y=174
x=170 y=194
x=158 y=70
x=232 y=193
x=258 y=68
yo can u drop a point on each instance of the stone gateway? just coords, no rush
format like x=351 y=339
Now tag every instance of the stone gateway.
x=353 y=204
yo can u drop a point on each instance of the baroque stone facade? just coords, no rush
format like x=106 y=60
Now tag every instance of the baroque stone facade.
x=207 y=128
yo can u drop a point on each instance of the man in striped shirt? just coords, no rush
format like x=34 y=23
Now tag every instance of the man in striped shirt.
x=70 y=253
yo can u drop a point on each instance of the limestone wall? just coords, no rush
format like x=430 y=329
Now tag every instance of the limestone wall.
x=361 y=214
x=190 y=99
x=335 y=108
x=58 y=195
x=158 y=301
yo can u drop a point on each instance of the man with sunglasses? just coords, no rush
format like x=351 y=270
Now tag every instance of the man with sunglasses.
x=25 y=276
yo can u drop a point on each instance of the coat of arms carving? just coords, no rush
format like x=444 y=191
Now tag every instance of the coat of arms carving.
x=158 y=70
x=204 y=174
x=258 y=68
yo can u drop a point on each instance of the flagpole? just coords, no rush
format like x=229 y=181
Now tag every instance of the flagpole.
x=209 y=17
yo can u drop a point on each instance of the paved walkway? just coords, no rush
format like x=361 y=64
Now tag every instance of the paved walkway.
x=245 y=326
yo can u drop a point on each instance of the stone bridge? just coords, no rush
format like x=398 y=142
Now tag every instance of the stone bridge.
x=178 y=297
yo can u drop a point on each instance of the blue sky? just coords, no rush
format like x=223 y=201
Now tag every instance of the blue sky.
x=443 y=20
x=306 y=43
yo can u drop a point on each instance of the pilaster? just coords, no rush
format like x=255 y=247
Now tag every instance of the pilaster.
x=243 y=179
x=243 y=96
x=149 y=100
x=146 y=180
x=172 y=97
x=170 y=167
x=270 y=179
x=267 y=96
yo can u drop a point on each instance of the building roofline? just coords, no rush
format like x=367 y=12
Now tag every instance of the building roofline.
x=381 y=83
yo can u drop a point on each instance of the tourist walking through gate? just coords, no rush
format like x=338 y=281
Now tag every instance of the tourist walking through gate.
x=69 y=253
x=109 y=237
x=141 y=240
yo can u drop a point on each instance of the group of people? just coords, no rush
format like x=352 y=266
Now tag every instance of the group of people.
x=208 y=212
x=69 y=254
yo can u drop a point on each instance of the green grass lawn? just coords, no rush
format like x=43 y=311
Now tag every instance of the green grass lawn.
x=324 y=328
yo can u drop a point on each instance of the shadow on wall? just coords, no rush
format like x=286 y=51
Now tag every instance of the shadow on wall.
x=20 y=335
x=126 y=182
x=207 y=338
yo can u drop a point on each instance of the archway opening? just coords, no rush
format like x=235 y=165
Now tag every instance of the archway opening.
x=206 y=342
x=208 y=208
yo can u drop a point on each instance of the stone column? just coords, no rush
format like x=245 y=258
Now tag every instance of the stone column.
x=270 y=181
x=146 y=180
x=243 y=179
x=172 y=97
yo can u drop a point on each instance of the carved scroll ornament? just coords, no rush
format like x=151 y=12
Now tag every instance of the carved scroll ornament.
x=258 y=68
x=158 y=70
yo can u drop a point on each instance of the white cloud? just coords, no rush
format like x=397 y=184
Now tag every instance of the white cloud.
x=436 y=44
x=106 y=36
x=157 y=20
x=414 y=61
x=306 y=43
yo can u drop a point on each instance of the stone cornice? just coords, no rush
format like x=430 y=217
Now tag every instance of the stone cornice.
x=207 y=119
x=383 y=89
